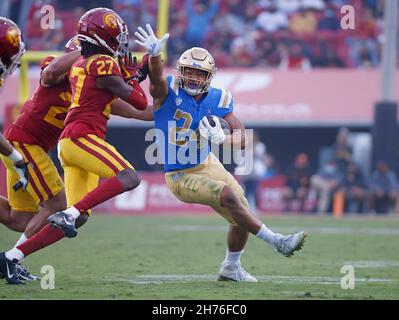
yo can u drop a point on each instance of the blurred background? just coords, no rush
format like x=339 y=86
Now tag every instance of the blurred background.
x=311 y=90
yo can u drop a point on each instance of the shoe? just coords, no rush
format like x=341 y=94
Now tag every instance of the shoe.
x=25 y=275
x=9 y=270
x=234 y=273
x=287 y=245
x=65 y=222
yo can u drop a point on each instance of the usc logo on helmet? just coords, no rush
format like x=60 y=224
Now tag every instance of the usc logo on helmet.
x=111 y=20
x=12 y=36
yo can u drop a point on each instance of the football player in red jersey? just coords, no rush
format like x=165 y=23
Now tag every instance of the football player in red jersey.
x=96 y=82
x=12 y=49
x=34 y=133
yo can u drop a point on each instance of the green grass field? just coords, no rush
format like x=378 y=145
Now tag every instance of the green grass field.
x=177 y=257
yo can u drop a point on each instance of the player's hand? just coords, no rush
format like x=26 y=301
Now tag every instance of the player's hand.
x=143 y=69
x=128 y=65
x=215 y=133
x=22 y=169
x=149 y=41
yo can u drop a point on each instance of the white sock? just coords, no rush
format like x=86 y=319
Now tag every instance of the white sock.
x=21 y=240
x=75 y=213
x=266 y=235
x=233 y=258
x=15 y=253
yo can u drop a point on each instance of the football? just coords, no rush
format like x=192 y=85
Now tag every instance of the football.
x=224 y=124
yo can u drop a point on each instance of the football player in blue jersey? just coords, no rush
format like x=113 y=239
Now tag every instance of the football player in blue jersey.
x=183 y=109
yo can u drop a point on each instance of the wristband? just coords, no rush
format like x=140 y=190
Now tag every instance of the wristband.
x=15 y=156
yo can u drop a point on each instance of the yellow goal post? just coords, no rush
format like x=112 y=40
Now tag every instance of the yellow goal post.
x=36 y=56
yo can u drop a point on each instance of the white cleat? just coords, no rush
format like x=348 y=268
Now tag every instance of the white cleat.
x=234 y=273
x=287 y=245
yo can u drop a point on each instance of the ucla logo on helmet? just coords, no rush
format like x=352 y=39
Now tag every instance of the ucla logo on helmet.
x=179 y=101
x=12 y=36
x=111 y=20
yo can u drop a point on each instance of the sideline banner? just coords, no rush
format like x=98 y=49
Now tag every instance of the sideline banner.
x=273 y=97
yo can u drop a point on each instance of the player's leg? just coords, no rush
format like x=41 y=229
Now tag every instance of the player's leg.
x=16 y=221
x=100 y=158
x=78 y=182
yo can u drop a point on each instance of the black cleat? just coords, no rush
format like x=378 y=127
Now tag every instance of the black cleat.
x=9 y=270
x=65 y=222
x=25 y=275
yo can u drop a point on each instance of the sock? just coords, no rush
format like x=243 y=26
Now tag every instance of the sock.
x=21 y=240
x=106 y=190
x=75 y=213
x=45 y=237
x=266 y=235
x=15 y=254
x=233 y=258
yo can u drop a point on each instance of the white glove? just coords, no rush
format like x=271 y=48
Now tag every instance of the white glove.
x=213 y=134
x=149 y=41
x=21 y=167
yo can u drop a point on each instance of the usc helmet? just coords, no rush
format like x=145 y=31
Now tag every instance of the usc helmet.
x=104 y=28
x=11 y=47
x=200 y=59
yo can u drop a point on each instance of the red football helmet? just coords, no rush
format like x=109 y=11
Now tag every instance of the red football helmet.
x=11 y=46
x=72 y=45
x=104 y=28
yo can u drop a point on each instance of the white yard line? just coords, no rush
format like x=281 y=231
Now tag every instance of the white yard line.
x=184 y=278
x=314 y=230
x=372 y=264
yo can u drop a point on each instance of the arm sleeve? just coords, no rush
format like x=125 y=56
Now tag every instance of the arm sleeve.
x=225 y=105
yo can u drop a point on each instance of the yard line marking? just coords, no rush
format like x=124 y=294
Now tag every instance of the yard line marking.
x=184 y=278
x=314 y=230
x=372 y=264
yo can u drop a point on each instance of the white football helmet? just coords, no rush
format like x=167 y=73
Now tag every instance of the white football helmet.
x=200 y=59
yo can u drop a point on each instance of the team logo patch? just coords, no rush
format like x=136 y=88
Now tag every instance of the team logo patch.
x=111 y=20
x=12 y=36
x=179 y=101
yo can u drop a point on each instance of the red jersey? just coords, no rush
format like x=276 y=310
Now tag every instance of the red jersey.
x=42 y=117
x=91 y=107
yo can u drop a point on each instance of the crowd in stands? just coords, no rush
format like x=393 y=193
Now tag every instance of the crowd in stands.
x=338 y=181
x=239 y=33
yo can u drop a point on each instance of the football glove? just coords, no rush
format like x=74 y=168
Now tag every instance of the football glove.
x=214 y=134
x=128 y=65
x=149 y=41
x=21 y=168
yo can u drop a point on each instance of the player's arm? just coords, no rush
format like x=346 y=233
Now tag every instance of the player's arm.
x=238 y=130
x=55 y=72
x=125 y=110
x=153 y=45
x=132 y=93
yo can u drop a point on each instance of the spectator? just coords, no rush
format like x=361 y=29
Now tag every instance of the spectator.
x=272 y=19
x=342 y=151
x=294 y=58
x=303 y=22
x=257 y=172
x=325 y=182
x=354 y=189
x=298 y=183
x=383 y=189
x=199 y=20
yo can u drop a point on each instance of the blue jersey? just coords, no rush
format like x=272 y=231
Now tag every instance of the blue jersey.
x=177 y=123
